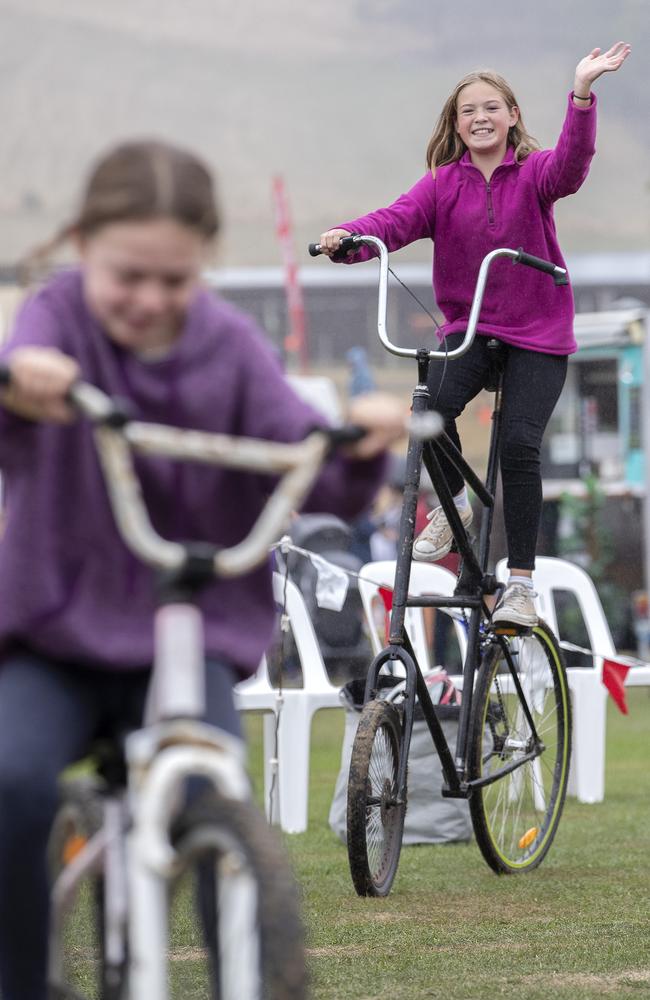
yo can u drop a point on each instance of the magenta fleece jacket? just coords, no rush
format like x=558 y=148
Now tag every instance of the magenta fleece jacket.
x=466 y=218
x=69 y=588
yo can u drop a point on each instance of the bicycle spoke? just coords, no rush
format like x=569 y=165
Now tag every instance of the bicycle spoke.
x=515 y=816
x=375 y=818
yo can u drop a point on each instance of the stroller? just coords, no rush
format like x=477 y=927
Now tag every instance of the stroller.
x=341 y=634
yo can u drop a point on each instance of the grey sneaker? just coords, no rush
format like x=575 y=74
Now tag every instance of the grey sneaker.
x=435 y=540
x=515 y=608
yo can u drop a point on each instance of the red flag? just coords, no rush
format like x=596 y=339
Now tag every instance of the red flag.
x=386 y=595
x=614 y=675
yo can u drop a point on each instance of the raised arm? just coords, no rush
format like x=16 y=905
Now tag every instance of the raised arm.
x=593 y=66
x=562 y=170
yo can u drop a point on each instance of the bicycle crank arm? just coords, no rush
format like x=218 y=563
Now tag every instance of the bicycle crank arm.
x=507 y=769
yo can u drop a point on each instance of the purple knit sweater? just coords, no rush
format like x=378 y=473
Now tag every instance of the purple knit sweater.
x=68 y=586
x=466 y=218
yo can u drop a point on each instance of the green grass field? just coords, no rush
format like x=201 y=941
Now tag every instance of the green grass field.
x=576 y=928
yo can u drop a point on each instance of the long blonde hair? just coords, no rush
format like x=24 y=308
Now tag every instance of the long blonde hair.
x=446 y=146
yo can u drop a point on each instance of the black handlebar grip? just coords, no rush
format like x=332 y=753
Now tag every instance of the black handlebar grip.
x=346 y=245
x=347 y=434
x=560 y=277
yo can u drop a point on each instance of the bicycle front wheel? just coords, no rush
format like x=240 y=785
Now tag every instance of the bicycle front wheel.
x=375 y=810
x=253 y=940
x=520 y=745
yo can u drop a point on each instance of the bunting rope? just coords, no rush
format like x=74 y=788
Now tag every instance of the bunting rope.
x=331 y=591
x=614 y=671
x=331 y=572
x=624 y=659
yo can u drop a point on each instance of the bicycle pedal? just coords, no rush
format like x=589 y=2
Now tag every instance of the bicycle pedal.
x=510 y=629
x=463 y=792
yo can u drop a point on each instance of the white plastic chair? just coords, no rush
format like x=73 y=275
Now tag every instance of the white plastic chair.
x=292 y=711
x=589 y=695
x=425 y=578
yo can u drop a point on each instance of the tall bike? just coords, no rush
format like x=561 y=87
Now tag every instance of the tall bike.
x=512 y=753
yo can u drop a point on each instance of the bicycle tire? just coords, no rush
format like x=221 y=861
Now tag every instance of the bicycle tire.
x=235 y=837
x=375 y=817
x=516 y=817
x=78 y=818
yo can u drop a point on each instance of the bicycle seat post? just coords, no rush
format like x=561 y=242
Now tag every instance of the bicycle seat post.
x=495 y=385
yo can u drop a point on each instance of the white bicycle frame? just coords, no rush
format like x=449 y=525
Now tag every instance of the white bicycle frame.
x=132 y=847
x=137 y=865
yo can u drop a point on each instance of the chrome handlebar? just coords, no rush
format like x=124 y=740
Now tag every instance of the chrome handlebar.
x=558 y=274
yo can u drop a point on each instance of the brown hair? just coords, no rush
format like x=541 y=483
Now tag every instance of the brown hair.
x=446 y=146
x=139 y=180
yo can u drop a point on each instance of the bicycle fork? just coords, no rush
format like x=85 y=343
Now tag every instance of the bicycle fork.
x=158 y=781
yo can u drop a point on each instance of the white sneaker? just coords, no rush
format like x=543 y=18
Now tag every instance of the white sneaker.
x=435 y=540
x=516 y=608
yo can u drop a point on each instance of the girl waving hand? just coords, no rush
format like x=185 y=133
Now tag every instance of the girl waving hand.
x=488 y=185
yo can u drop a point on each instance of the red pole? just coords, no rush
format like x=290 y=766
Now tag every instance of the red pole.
x=295 y=341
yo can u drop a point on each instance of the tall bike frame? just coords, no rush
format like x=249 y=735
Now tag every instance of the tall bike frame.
x=474 y=583
x=512 y=750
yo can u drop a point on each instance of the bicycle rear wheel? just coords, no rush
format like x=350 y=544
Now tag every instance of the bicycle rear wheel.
x=252 y=932
x=375 y=817
x=78 y=818
x=82 y=968
x=521 y=738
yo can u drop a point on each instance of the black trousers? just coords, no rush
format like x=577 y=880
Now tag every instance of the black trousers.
x=49 y=715
x=531 y=387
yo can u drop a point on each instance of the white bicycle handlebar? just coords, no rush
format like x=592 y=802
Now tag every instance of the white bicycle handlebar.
x=297 y=464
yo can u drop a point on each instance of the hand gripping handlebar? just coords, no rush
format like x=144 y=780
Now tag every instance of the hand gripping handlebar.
x=348 y=244
x=117 y=437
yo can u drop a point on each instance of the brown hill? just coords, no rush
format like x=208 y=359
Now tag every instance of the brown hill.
x=337 y=96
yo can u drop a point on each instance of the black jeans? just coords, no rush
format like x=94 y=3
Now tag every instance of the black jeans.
x=49 y=715
x=531 y=387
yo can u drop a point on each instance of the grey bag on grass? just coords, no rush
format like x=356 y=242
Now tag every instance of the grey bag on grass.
x=430 y=819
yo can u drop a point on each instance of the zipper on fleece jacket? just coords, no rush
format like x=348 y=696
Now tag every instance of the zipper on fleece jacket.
x=489 y=204
x=490 y=207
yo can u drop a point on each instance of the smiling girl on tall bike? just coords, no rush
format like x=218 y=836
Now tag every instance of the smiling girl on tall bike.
x=489 y=185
